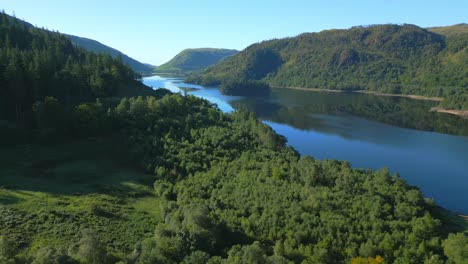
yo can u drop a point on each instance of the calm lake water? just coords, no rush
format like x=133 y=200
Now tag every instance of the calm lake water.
x=429 y=150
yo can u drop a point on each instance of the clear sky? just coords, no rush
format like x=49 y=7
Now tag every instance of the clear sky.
x=153 y=31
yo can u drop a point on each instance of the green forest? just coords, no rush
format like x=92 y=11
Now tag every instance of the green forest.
x=97 y=168
x=398 y=59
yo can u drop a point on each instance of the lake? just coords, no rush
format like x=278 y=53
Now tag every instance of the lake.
x=429 y=150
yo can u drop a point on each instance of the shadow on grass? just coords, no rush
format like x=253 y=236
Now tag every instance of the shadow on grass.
x=74 y=168
x=7 y=199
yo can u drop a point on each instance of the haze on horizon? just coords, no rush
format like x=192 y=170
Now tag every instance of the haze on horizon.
x=155 y=31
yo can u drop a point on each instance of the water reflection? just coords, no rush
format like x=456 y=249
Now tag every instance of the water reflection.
x=305 y=110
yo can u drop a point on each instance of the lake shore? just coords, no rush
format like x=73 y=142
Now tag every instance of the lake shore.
x=412 y=96
x=461 y=113
x=310 y=89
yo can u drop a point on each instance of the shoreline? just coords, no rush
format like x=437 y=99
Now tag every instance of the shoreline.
x=311 y=89
x=460 y=113
x=411 y=96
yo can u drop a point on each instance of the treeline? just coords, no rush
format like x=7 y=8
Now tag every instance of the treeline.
x=245 y=88
x=386 y=58
x=35 y=63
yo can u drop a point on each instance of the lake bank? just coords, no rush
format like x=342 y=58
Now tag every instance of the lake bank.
x=461 y=113
x=411 y=96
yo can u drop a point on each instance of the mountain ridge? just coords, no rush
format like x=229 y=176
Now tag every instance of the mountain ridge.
x=194 y=59
x=98 y=47
x=94 y=46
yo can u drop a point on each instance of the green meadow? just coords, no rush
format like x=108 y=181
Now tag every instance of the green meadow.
x=49 y=194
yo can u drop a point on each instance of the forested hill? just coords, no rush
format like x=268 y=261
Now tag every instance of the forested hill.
x=97 y=47
x=386 y=58
x=36 y=63
x=190 y=60
x=449 y=31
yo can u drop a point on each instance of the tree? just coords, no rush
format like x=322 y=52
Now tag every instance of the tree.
x=8 y=248
x=90 y=249
x=456 y=248
x=50 y=255
x=197 y=257
x=369 y=260
x=251 y=254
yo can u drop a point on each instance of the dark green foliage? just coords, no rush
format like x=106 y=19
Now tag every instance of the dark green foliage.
x=245 y=88
x=386 y=58
x=191 y=60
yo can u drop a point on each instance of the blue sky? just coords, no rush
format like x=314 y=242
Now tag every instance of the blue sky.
x=154 y=31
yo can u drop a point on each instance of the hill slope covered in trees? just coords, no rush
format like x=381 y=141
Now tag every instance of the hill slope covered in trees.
x=97 y=47
x=402 y=59
x=450 y=31
x=191 y=60
x=94 y=46
x=35 y=63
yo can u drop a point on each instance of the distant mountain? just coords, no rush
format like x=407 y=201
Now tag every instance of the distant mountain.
x=403 y=59
x=191 y=60
x=95 y=46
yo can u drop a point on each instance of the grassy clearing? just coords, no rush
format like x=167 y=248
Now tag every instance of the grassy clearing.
x=50 y=193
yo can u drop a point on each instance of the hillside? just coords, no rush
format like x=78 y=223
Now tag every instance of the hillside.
x=36 y=64
x=95 y=46
x=191 y=60
x=387 y=58
x=450 y=31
